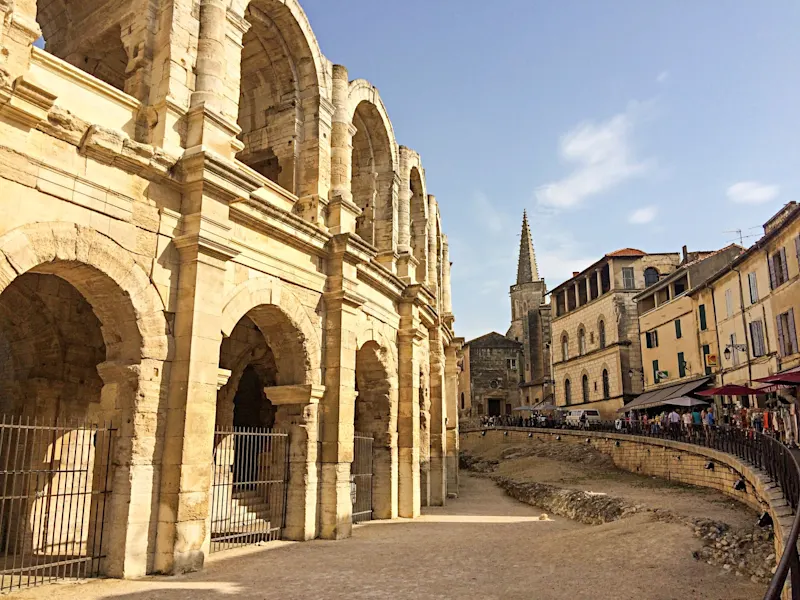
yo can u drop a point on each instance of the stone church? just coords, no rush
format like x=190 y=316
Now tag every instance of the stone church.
x=217 y=259
x=504 y=372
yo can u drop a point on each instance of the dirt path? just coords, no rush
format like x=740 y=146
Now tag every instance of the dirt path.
x=482 y=545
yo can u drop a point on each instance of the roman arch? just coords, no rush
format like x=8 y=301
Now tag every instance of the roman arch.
x=212 y=230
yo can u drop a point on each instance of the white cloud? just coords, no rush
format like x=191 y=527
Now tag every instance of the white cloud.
x=603 y=158
x=752 y=192
x=642 y=216
x=662 y=77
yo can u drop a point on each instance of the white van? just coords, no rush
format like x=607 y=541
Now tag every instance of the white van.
x=574 y=417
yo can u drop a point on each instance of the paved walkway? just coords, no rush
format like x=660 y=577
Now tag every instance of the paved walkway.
x=482 y=545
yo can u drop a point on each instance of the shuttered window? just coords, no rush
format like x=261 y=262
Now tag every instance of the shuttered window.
x=787 y=333
x=706 y=352
x=655 y=371
x=778 y=269
x=757 y=342
x=729 y=303
x=678 y=332
x=753 y=283
x=681 y=365
x=703 y=323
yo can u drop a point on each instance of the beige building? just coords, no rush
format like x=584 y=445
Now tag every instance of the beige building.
x=207 y=225
x=674 y=349
x=754 y=305
x=596 y=355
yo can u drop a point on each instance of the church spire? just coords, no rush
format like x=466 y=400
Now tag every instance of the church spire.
x=527 y=271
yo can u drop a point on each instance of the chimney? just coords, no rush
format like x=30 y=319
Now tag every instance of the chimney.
x=685 y=254
x=576 y=273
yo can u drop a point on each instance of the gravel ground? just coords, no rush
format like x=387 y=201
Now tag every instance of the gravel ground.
x=482 y=545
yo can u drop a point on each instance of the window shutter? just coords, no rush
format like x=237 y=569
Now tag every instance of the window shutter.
x=703 y=324
x=753 y=288
x=655 y=339
x=784 y=266
x=678 y=333
x=771 y=266
x=681 y=365
x=792 y=331
x=781 y=339
x=648 y=339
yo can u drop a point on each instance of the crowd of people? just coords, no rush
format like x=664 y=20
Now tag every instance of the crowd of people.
x=779 y=421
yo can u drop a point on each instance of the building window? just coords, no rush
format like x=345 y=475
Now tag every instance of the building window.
x=681 y=365
x=585 y=385
x=508 y=409
x=778 y=269
x=787 y=333
x=729 y=303
x=480 y=408
x=753 y=283
x=678 y=332
x=602 y=334
x=511 y=363
x=706 y=352
x=650 y=276
x=581 y=341
x=565 y=347
x=703 y=323
x=628 y=282
x=606 y=386
x=734 y=351
x=655 y=371
x=462 y=401
x=651 y=338
x=567 y=392
x=757 y=338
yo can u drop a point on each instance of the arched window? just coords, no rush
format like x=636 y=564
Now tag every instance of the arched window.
x=567 y=392
x=606 y=387
x=602 y=333
x=462 y=400
x=565 y=347
x=581 y=341
x=585 y=385
x=650 y=276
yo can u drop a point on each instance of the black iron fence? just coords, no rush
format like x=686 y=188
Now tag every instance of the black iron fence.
x=54 y=483
x=248 y=493
x=761 y=451
x=361 y=478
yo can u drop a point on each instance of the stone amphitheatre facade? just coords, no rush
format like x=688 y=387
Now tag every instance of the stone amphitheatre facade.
x=206 y=225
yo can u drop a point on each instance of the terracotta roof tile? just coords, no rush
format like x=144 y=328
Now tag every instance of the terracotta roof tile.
x=627 y=252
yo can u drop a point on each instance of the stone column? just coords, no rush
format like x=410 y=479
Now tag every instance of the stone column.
x=447 y=302
x=409 y=412
x=438 y=411
x=404 y=204
x=184 y=515
x=451 y=400
x=386 y=229
x=433 y=277
x=210 y=64
x=297 y=414
x=342 y=211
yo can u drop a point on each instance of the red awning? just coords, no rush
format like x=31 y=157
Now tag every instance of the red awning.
x=791 y=378
x=730 y=390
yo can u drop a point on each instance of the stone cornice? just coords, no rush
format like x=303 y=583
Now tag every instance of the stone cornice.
x=25 y=102
x=280 y=225
x=282 y=395
x=344 y=297
x=351 y=248
x=202 y=244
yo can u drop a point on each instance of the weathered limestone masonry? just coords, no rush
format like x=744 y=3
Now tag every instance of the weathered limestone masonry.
x=675 y=461
x=205 y=224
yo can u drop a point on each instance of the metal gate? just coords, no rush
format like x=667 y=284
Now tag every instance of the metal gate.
x=54 y=481
x=248 y=495
x=361 y=478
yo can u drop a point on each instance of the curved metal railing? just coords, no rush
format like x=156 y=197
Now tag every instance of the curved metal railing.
x=761 y=451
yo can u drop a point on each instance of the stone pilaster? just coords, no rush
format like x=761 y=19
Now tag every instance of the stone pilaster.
x=433 y=242
x=297 y=414
x=451 y=401
x=337 y=409
x=438 y=481
x=408 y=424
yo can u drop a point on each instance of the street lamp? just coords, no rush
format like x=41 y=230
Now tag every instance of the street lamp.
x=735 y=348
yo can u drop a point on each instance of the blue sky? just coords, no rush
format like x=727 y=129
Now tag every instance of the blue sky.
x=619 y=123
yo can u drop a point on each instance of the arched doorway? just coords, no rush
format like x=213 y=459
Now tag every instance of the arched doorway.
x=263 y=362
x=375 y=417
x=81 y=398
